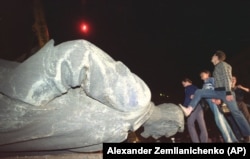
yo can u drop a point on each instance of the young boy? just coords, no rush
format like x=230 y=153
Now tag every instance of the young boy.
x=197 y=115
x=220 y=119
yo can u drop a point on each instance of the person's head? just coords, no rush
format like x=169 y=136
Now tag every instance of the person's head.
x=186 y=82
x=218 y=57
x=205 y=74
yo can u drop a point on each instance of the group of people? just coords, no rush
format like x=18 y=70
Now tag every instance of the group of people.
x=218 y=88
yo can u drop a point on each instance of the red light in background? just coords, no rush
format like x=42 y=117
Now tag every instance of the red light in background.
x=84 y=28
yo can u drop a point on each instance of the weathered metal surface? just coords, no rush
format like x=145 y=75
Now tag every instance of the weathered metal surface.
x=75 y=97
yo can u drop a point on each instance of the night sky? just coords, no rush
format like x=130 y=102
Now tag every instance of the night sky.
x=161 y=41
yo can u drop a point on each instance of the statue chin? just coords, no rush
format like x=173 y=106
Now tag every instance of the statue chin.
x=75 y=97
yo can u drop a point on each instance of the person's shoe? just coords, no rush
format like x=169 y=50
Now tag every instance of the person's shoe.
x=185 y=110
x=247 y=139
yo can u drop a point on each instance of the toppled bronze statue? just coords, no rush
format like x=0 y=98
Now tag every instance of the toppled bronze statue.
x=75 y=97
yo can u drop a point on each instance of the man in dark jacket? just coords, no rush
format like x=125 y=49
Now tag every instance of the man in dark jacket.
x=239 y=93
